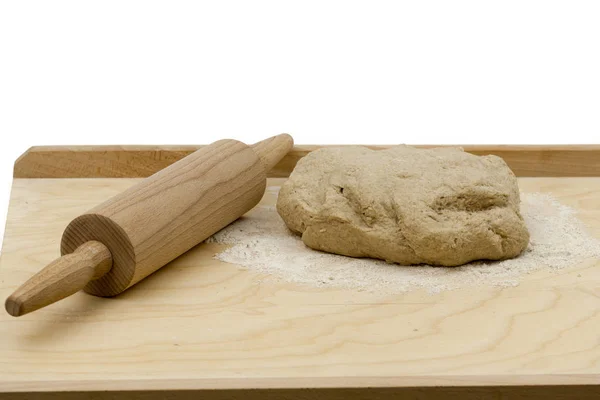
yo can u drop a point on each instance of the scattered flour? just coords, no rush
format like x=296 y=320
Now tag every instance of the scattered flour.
x=262 y=243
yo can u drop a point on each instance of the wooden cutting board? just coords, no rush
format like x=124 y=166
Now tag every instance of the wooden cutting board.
x=202 y=327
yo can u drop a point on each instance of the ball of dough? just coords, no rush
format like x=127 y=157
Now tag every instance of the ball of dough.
x=405 y=205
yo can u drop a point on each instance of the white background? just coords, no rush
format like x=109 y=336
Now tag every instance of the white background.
x=148 y=72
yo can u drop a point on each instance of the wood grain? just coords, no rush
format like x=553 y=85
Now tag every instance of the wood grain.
x=131 y=235
x=202 y=327
x=165 y=215
x=143 y=161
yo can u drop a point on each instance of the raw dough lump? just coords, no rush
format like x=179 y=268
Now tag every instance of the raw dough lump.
x=405 y=205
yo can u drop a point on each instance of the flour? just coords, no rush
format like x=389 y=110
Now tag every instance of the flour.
x=262 y=243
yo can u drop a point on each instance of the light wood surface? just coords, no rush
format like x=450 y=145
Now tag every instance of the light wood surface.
x=202 y=325
x=155 y=221
x=143 y=161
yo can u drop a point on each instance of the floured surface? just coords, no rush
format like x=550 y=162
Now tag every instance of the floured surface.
x=215 y=323
x=261 y=242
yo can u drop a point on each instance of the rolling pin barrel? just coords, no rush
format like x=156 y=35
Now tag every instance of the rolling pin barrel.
x=128 y=237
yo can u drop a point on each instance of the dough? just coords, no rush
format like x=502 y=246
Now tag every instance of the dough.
x=405 y=205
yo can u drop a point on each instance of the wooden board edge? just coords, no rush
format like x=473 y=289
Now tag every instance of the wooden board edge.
x=143 y=161
x=574 y=392
x=434 y=393
x=321 y=382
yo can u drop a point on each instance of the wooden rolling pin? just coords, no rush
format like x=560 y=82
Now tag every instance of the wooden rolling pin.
x=123 y=240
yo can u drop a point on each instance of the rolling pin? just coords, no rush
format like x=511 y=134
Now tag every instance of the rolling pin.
x=123 y=240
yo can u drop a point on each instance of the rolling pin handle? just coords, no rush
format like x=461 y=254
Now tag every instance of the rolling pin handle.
x=61 y=278
x=272 y=150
